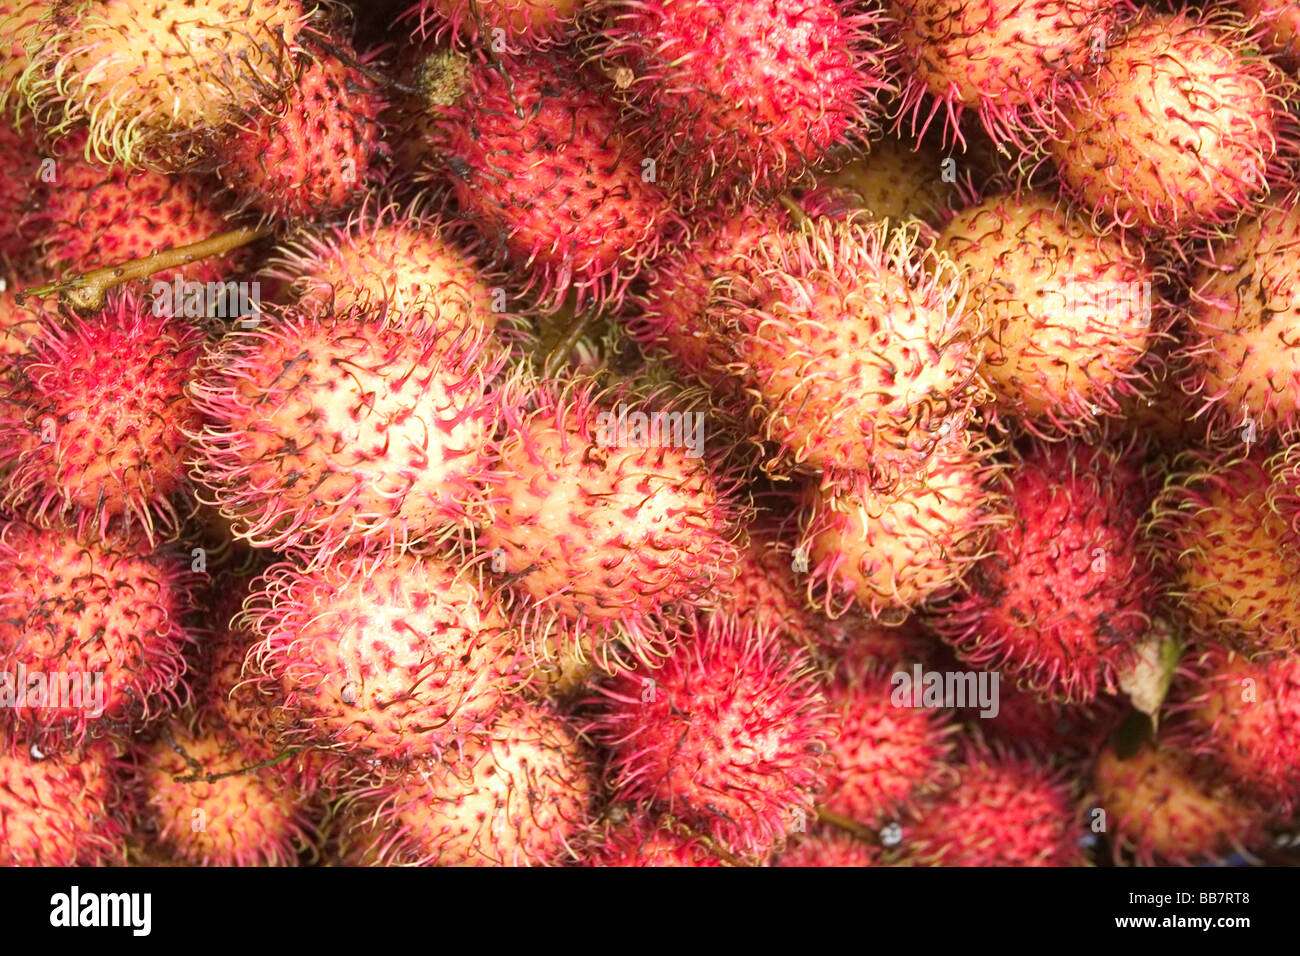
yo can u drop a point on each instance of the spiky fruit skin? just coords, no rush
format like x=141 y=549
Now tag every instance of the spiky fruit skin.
x=737 y=101
x=504 y=25
x=1014 y=65
x=383 y=654
x=1160 y=810
x=1242 y=365
x=647 y=841
x=147 y=82
x=891 y=552
x=313 y=152
x=94 y=437
x=729 y=734
x=883 y=754
x=1236 y=569
x=59 y=810
x=1276 y=23
x=854 y=347
x=1241 y=716
x=1065 y=592
x=18 y=324
x=19 y=31
x=1180 y=130
x=398 y=262
x=896 y=180
x=598 y=532
x=96 y=215
x=78 y=613
x=1045 y=729
x=1003 y=811
x=19 y=158
x=519 y=794
x=231 y=815
x=1071 y=311
x=673 y=317
x=538 y=164
x=326 y=430
x=828 y=847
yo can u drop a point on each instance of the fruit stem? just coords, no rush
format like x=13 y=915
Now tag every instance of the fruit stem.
x=795 y=210
x=849 y=826
x=556 y=357
x=86 y=291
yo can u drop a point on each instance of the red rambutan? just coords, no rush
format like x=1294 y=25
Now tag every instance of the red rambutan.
x=825 y=846
x=645 y=840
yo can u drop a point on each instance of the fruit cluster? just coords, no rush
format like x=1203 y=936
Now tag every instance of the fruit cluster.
x=649 y=432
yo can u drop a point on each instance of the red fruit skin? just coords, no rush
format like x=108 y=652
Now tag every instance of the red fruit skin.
x=1065 y=594
x=74 y=609
x=60 y=810
x=737 y=101
x=825 y=846
x=1002 y=812
x=647 y=841
x=1046 y=729
x=538 y=164
x=94 y=437
x=313 y=152
x=19 y=191
x=504 y=26
x=729 y=735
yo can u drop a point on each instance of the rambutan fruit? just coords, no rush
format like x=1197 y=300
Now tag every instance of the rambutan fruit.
x=1182 y=129
x=94 y=434
x=91 y=635
x=96 y=215
x=825 y=846
x=1236 y=571
x=897 y=180
x=1071 y=311
x=1002 y=811
x=603 y=515
x=502 y=25
x=1159 y=809
x=883 y=755
x=1015 y=65
x=19 y=30
x=383 y=654
x=19 y=191
x=148 y=82
x=539 y=165
x=392 y=261
x=59 y=810
x=736 y=102
x=18 y=324
x=1243 y=717
x=854 y=345
x=644 y=840
x=315 y=150
x=1275 y=24
x=1064 y=594
x=1243 y=366
x=520 y=793
x=890 y=552
x=323 y=430
x=729 y=734
x=1046 y=729
x=204 y=800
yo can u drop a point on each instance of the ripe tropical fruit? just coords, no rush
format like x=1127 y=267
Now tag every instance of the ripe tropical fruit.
x=20 y=190
x=890 y=552
x=1182 y=129
x=854 y=346
x=59 y=810
x=1016 y=66
x=729 y=734
x=93 y=435
x=398 y=262
x=147 y=82
x=312 y=151
x=538 y=164
x=1161 y=809
x=18 y=323
x=605 y=512
x=91 y=634
x=19 y=30
x=520 y=793
x=500 y=26
x=1236 y=568
x=1046 y=729
x=1064 y=595
x=203 y=799
x=646 y=840
x=900 y=180
x=884 y=753
x=327 y=429
x=1071 y=311
x=828 y=847
x=1002 y=811
x=1276 y=24
x=734 y=101
x=1241 y=716
x=384 y=654
x=1243 y=366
